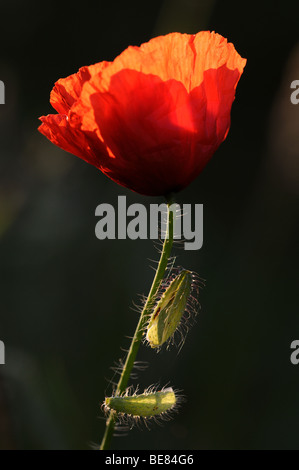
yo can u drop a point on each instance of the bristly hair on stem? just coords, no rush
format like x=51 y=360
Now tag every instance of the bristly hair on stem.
x=132 y=353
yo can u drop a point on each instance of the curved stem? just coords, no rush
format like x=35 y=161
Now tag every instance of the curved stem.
x=147 y=309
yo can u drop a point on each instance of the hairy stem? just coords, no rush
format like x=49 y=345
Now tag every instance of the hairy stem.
x=125 y=375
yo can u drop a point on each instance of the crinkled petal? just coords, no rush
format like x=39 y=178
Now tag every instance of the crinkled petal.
x=57 y=129
x=67 y=90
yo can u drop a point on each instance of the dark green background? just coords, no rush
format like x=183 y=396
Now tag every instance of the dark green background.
x=65 y=296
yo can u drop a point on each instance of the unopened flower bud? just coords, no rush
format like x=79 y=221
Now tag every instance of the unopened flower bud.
x=170 y=309
x=150 y=403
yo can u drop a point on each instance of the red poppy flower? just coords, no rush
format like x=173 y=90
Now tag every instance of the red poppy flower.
x=152 y=118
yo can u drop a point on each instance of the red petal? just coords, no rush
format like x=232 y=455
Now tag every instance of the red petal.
x=57 y=129
x=153 y=117
x=67 y=90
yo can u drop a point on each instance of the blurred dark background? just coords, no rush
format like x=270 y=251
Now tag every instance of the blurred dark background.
x=66 y=297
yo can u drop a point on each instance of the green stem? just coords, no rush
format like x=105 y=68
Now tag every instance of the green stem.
x=147 y=309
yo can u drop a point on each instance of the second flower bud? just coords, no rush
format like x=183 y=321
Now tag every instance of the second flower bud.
x=168 y=315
